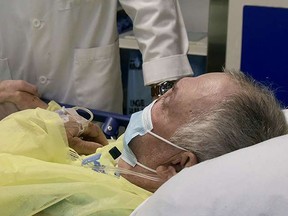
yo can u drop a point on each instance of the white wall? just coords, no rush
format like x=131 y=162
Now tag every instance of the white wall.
x=196 y=14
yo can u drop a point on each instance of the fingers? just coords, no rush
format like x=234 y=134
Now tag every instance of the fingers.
x=94 y=133
x=24 y=86
x=18 y=85
x=21 y=93
x=91 y=139
x=82 y=146
x=24 y=100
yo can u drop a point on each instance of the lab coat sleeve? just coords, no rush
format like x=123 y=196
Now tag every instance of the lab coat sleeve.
x=160 y=31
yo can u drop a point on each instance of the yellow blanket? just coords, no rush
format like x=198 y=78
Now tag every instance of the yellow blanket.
x=38 y=177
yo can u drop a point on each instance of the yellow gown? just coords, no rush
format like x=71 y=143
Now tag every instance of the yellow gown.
x=39 y=178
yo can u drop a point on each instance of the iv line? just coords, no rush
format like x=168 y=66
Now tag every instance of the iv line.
x=117 y=170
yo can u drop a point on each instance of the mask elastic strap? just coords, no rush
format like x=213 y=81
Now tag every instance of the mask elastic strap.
x=166 y=141
x=145 y=167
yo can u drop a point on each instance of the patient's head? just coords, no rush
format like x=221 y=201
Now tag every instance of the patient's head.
x=209 y=116
x=242 y=118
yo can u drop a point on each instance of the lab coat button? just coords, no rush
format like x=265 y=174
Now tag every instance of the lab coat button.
x=36 y=23
x=42 y=79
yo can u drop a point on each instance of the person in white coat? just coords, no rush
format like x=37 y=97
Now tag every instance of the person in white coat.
x=68 y=50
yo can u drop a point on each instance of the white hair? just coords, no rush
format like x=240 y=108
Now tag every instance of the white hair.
x=249 y=116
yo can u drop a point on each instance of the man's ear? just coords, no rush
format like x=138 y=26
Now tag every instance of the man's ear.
x=165 y=172
x=185 y=159
x=188 y=159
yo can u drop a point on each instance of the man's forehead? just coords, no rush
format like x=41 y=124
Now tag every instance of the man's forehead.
x=214 y=77
x=206 y=84
x=193 y=94
x=200 y=93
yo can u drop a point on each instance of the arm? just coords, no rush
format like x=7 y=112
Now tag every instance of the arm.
x=162 y=38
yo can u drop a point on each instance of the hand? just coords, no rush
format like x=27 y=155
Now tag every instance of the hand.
x=21 y=93
x=87 y=142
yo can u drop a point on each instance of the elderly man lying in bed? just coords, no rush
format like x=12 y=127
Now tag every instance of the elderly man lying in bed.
x=198 y=119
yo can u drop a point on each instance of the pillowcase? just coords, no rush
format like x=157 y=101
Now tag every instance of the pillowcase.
x=250 y=181
x=285 y=111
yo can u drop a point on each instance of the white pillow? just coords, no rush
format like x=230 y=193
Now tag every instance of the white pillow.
x=250 y=181
x=285 y=111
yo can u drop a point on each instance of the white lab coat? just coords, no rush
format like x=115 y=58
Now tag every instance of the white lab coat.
x=70 y=49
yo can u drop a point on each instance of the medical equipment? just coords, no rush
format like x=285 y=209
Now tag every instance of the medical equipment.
x=117 y=171
x=93 y=163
